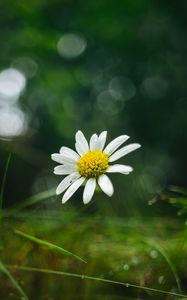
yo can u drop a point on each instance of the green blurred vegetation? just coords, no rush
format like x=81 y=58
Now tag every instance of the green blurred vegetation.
x=94 y=65
x=129 y=79
x=146 y=252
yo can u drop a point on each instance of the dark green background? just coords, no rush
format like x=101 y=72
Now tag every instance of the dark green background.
x=138 y=40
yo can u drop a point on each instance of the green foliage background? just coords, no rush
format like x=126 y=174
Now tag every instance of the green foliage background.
x=138 y=40
x=140 y=48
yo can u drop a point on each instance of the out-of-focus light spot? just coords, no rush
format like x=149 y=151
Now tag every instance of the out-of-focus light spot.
x=71 y=45
x=100 y=83
x=155 y=87
x=26 y=65
x=13 y=122
x=126 y=267
x=153 y=254
x=135 y=260
x=122 y=87
x=12 y=83
x=109 y=104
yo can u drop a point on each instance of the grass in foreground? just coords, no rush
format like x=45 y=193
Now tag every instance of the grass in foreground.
x=142 y=259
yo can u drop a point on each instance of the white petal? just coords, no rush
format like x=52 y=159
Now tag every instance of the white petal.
x=66 y=182
x=93 y=142
x=68 y=160
x=64 y=169
x=81 y=140
x=72 y=189
x=79 y=149
x=89 y=190
x=106 y=185
x=116 y=143
x=69 y=153
x=62 y=159
x=56 y=157
x=119 y=169
x=102 y=140
x=123 y=151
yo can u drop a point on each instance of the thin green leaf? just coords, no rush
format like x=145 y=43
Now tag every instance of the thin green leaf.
x=4 y=180
x=30 y=201
x=14 y=282
x=177 y=189
x=75 y=275
x=179 y=200
x=49 y=245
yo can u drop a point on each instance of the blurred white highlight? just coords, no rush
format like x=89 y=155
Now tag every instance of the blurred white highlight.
x=26 y=65
x=12 y=84
x=12 y=122
x=122 y=88
x=71 y=45
x=109 y=104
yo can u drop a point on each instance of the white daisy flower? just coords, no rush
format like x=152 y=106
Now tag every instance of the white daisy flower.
x=90 y=164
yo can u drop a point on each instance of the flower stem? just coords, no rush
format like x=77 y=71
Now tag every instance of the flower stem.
x=3 y=183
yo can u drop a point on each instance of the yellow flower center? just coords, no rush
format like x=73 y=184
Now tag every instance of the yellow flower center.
x=93 y=164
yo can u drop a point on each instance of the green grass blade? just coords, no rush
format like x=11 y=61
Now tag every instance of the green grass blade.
x=168 y=260
x=48 y=245
x=14 y=282
x=75 y=275
x=30 y=201
x=4 y=180
x=178 y=189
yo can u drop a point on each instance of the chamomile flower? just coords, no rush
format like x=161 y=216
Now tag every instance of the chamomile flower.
x=90 y=164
